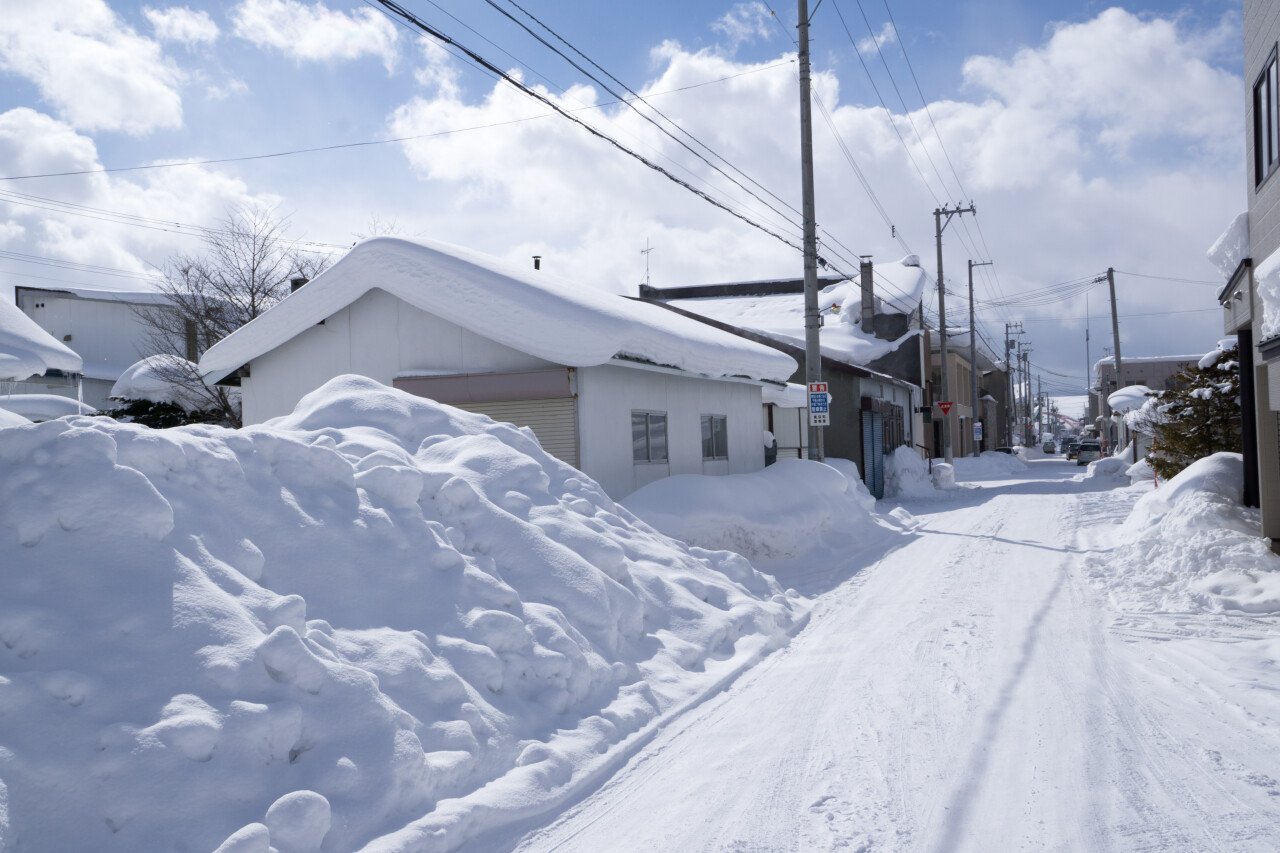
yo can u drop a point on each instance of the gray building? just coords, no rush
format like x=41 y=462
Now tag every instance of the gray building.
x=1259 y=241
x=1157 y=372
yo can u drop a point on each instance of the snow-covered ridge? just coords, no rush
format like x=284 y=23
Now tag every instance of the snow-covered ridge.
x=377 y=621
x=535 y=312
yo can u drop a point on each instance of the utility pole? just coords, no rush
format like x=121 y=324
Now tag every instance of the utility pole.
x=939 y=225
x=646 y=251
x=812 y=318
x=973 y=354
x=1009 y=371
x=1115 y=338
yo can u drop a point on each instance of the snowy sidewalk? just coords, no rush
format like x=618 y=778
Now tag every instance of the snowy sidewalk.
x=971 y=691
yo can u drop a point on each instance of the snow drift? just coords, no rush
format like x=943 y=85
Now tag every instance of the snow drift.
x=795 y=513
x=378 y=622
x=1190 y=546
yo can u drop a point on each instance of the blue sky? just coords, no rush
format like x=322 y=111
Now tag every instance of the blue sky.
x=1088 y=134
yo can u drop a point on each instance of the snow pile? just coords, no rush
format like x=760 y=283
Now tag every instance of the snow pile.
x=1190 y=546
x=559 y=321
x=1140 y=472
x=779 y=513
x=944 y=476
x=27 y=350
x=1231 y=247
x=988 y=464
x=378 y=620
x=153 y=378
x=43 y=407
x=12 y=419
x=1109 y=468
x=906 y=475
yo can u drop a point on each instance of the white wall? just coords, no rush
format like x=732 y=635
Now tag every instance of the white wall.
x=609 y=393
x=377 y=336
x=107 y=335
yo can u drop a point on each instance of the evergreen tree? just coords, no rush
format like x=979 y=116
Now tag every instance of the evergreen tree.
x=1199 y=418
x=162 y=415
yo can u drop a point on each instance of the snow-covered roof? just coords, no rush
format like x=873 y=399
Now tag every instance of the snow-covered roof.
x=781 y=317
x=27 y=350
x=1128 y=398
x=1232 y=246
x=789 y=396
x=137 y=297
x=1109 y=361
x=531 y=311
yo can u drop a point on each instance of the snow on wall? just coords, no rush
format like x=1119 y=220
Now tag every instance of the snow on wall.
x=530 y=311
x=27 y=350
x=378 y=620
x=1266 y=278
x=1231 y=247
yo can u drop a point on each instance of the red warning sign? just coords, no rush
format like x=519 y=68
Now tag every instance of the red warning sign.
x=946 y=407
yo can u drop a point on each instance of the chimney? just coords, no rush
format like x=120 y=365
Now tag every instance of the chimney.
x=295 y=283
x=537 y=262
x=868 y=295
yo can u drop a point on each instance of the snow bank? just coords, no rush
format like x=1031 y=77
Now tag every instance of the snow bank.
x=944 y=476
x=1190 y=546
x=12 y=419
x=27 y=350
x=377 y=621
x=1109 y=469
x=988 y=464
x=152 y=378
x=906 y=475
x=43 y=407
x=1140 y=472
x=804 y=521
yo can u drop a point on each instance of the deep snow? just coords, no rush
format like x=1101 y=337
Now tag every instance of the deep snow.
x=378 y=621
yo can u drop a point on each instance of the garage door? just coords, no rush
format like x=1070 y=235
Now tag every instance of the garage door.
x=554 y=422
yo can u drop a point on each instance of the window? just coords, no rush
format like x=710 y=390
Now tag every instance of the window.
x=649 y=436
x=1266 y=121
x=715 y=437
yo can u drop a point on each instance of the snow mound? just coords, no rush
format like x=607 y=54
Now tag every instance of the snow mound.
x=1140 y=472
x=1189 y=546
x=12 y=419
x=944 y=476
x=906 y=475
x=988 y=464
x=376 y=621
x=794 y=512
x=1108 y=469
x=27 y=350
x=152 y=378
x=43 y=407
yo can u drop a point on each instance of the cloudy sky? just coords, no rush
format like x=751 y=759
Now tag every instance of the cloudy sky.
x=1087 y=135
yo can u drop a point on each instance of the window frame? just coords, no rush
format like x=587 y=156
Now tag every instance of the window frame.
x=711 y=421
x=1266 y=122
x=650 y=417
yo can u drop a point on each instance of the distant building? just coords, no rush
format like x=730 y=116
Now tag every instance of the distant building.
x=1158 y=372
x=101 y=326
x=625 y=391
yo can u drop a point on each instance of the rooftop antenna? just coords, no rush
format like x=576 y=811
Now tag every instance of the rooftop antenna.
x=645 y=251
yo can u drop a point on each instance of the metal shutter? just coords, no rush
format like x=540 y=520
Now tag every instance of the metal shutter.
x=554 y=422
x=873 y=452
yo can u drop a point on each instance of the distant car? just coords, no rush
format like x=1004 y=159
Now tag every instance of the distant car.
x=1090 y=451
x=1073 y=450
x=1008 y=450
x=1049 y=447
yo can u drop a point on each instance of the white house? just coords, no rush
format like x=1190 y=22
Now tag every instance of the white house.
x=101 y=326
x=626 y=391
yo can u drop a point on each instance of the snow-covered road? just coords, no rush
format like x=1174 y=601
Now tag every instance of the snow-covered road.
x=970 y=691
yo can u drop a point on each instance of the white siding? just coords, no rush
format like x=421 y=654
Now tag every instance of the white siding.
x=609 y=393
x=377 y=336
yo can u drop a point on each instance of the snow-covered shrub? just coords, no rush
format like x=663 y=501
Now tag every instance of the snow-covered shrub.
x=1200 y=418
x=906 y=475
x=376 y=618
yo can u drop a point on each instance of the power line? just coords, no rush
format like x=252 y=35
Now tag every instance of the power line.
x=1174 y=278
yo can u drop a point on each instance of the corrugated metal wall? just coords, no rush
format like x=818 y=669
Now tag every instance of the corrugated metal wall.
x=554 y=422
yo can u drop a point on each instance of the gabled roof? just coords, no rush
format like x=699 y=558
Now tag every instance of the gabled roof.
x=531 y=311
x=27 y=350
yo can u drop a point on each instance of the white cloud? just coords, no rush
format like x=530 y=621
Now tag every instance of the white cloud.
x=98 y=73
x=745 y=22
x=225 y=88
x=181 y=24
x=1115 y=142
x=438 y=71
x=33 y=143
x=887 y=35
x=314 y=32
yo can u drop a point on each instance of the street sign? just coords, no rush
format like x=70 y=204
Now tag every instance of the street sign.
x=977 y=430
x=946 y=407
x=819 y=404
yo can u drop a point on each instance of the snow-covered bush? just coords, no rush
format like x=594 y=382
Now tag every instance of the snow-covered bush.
x=1190 y=546
x=160 y=391
x=906 y=475
x=377 y=618
x=1200 y=418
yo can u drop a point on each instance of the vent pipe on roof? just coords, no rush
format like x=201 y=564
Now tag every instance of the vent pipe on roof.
x=537 y=262
x=868 y=294
x=295 y=283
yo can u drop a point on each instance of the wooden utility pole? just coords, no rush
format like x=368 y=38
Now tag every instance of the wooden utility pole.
x=1009 y=371
x=812 y=317
x=940 y=225
x=973 y=356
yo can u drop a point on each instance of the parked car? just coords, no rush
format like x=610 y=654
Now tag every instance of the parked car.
x=1090 y=451
x=1049 y=446
x=1073 y=450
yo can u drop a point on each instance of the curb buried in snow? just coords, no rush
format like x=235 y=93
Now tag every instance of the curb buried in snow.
x=449 y=826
